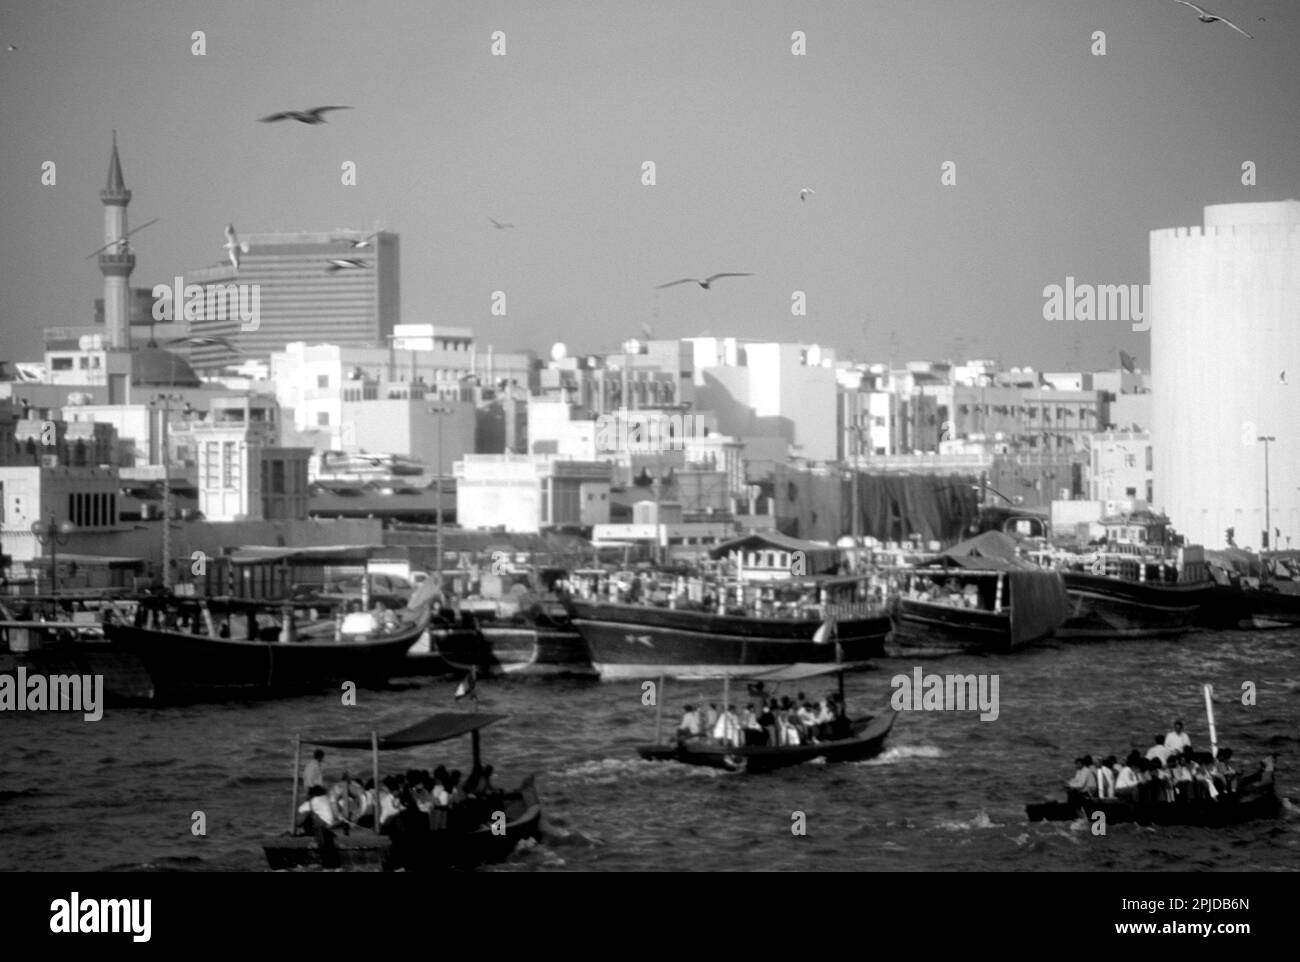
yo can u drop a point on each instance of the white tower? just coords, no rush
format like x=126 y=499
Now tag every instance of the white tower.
x=116 y=262
x=1225 y=358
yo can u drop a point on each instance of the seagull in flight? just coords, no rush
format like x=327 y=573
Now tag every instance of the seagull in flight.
x=359 y=244
x=312 y=116
x=12 y=48
x=233 y=247
x=1206 y=17
x=804 y=192
x=498 y=225
x=345 y=264
x=124 y=246
x=1282 y=377
x=706 y=283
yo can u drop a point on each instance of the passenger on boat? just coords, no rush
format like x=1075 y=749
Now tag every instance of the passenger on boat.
x=1158 y=751
x=1163 y=779
x=313 y=775
x=711 y=717
x=1127 y=781
x=1084 y=780
x=727 y=728
x=689 y=726
x=389 y=805
x=321 y=821
x=767 y=721
x=1224 y=775
x=807 y=722
x=1178 y=741
x=1105 y=777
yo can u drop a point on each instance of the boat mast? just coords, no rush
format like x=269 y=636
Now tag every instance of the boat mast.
x=1209 y=714
x=374 y=774
x=297 y=757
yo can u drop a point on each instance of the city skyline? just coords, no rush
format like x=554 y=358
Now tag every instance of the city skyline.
x=550 y=138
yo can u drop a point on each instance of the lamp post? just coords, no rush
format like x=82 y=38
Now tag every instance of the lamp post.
x=165 y=400
x=1268 y=529
x=53 y=534
x=438 y=412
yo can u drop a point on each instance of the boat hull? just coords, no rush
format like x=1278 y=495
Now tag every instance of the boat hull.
x=1104 y=607
x=929 y=628
x=1229 y=607
x=1207 y=813
x=533 y=650
x=637 y=641
x=184 y=666
x=868 y=741
x=416 y=850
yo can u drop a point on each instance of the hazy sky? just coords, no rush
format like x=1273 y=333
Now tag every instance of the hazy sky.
x=1064 y=160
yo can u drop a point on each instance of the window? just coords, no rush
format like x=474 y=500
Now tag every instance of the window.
x=1148 y=457
x=1130 y=460
x=230 y=464
x=277 y=477
x=323 y=418
x=211 y=459
x=61 y=364
x=322 y=380
x=1130 y=492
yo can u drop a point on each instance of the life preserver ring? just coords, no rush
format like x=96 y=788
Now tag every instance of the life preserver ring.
x=1099 y=567
x=349 y=800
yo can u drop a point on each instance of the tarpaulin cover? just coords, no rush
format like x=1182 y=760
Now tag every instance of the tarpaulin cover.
x=1039 y=604
x=893 y=507
x=435 y=728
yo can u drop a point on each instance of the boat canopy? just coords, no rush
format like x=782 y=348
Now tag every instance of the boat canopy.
x=435 y=728
x=794 y=672
x=990 y=551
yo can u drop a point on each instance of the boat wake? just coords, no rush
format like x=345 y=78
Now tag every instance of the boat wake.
x=903 y=753
x=981 y=820
x=611 y=771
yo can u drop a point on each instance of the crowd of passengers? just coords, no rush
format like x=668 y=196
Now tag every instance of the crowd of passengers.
x=416 y=802
x=768 y=722
x=1169 y=772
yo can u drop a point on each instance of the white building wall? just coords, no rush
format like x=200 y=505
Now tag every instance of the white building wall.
x=1225 y=324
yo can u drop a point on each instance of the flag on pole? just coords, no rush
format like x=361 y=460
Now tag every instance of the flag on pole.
x=467 y=684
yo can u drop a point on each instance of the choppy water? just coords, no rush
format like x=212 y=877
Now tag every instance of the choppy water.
x=949 y=793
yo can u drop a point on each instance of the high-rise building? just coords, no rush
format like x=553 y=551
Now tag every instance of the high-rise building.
x=313 y=287
x=1225 y=355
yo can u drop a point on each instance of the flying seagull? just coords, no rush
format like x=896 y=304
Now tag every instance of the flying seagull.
x=345 y=264
x=233 y=247
x=706 y=283
x=804 y=192
x=312 y=116
x=1282 y=377
x=1206 y=17
x=122 y=240
x=206 y=340
x=364 y=242
x=498 y=225
x=12 y=48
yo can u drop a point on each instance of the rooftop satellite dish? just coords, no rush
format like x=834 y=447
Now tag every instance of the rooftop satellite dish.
x=558 y=351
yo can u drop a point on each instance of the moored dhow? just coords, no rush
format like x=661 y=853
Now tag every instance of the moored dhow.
x=977 y=596
x=1141 y=583
x=201 y=649
x=776 y=624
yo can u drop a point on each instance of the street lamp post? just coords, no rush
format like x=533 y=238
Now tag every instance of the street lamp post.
x=166 y=402
x=439 y=412
x=1268 y=529
x=53 y=534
